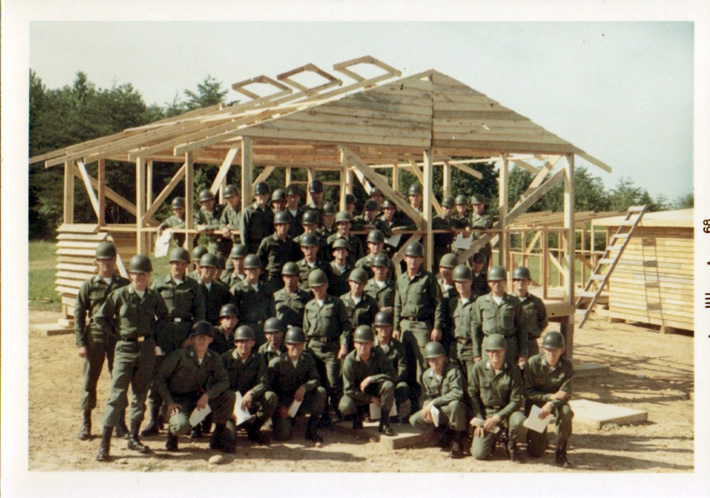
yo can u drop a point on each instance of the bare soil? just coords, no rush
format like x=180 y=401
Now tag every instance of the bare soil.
x=647 y=371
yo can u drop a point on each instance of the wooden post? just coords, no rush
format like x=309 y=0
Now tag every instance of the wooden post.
x=247 y=172
x=189 y=197
x=287 y=176
x=395 y=178
x=141 y=246
x=446 y=179
x=427 y=209
x=101 y=174
x=149 y=183
x=68 y=193
x=544 y=262
x=311 y=173
x=504 y=241
x=569 y=228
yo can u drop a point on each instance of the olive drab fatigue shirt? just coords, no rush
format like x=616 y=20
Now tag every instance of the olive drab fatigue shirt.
x=378 y=366
x=417 y=299
x=289 y=308
x=495 y=393
x=209 y=218
x=274 y=253
x=444 y=390
x=541 y=380
x=173 y=222
x=505 y=319
x=359 y=223
x=231 y=279
x=304 y=270
x=246 y=375
x=462 y=318
x=394 y=351
x=269 y=353
x=181 y=375
x=184 y=301
x=383 y=295
x=340 y=279
x=295 y=229
x=366 y=264
x=479 y=284
x=329 y=321
x=92 y=295
x=362 y=313
x=256 y=225
x=356 y=251
x=230 y=218
x=254 y=305
x=222 y=342
x=134 y=316
x=217 y=295
x=285 y=379
x=534 y=316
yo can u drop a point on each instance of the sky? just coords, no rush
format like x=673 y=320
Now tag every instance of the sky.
x=621 y=91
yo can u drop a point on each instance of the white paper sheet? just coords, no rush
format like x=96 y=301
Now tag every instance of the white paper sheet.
x=162 y=244
x=198 y=416
x=435 y=415
x=242 y=415
x=534 y=422
x=293 y=409
x=462 y=242
x=376 y=411
x=394 y=240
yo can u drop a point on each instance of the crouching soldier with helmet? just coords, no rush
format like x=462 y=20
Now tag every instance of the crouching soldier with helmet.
x=394 y=351
x=548 y=384
x=496 y=390
x=293 y=376
x=367 y=378
x=246 y=369
x=443 y=397
x=192 y=378
x=274 y=346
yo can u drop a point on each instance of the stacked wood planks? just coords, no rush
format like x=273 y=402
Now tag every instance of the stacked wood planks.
x=654 y=280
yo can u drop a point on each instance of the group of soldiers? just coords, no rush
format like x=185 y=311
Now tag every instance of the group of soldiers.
x=310 y=324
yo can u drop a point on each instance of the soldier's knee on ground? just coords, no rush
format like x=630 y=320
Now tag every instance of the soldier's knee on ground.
x=347 y=405
x=271 y=401
x=482 y=447
x=516 y=428
x=223 y=406
x=418 y=423
x=179 y=424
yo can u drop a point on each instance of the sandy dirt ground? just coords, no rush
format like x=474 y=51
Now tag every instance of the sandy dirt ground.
x=647 y=371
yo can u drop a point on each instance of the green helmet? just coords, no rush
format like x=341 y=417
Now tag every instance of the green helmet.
x=310 y=217
x=179 y=254
x=206 y=195
x=478 y=199
x=493 y=342
x=295 y=335
x=202 y=328
x=358 y=275
x=198 y=252
x=342 y=217
x=414 y=249
x=282 y=217
x=252 y=261
x=178 y=203
x=479 y=257
x=262 y=188
x=315 y=186
x=105 y=250
x=381 y=260
x=375 y=191
x=461 y=199
x=329 y=208
x=209 y=259
x=317 y=277
x=272 y=325
x=449 y=261
x=364 y=333
x=309 y=239
x=433 y=350
x=376 y=236
x=462 y=273
x=370 y=205
x=238 y=251
x=521 y=273
x=278 y=195
x=388 y=204
x=384 y=319
x=415 y=189
x=553 y=340
x=290 y=268
x=497 y=273
x=448 y=201
x=244 y=333
x=230 y=191
x=340 y=243
x=228 y=309
x=350 y=199
x=140 y=264
x=292 y=189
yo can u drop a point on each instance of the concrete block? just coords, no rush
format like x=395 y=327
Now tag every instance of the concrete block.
x=585 y=369
x=52 y=329
x=596 y=415
x=405 y=435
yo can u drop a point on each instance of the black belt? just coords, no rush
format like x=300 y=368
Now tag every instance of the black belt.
x=496 y=408
x=136 y=339
x=463 y=340
x=323 y=340
x=413 y=319
x=178 y=320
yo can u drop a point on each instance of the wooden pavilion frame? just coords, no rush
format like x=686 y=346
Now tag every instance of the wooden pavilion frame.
x=357 y=127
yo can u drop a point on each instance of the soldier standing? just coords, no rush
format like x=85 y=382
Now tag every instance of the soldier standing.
x=361 y=308
x=214 y=292
x=224 y=333
x=534 y=312
x=235 y=268
x=293 y=199
x=231 y=217
x=481 y=219
x=257 y=219
x=290 y=302
x=327 y=227
x=253 y=299
x=381 y=286
x=343 y=222
x=278 y=249
x=479 y=284
x=177 y=220
x=311 y=261
x=207 y=221
x=340 y=267
x=375 y=245
x=461 y=309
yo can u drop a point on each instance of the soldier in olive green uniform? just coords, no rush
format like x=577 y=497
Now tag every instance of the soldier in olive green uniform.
x=214 y=292
x=548 y=384
x=290 y=302
x=500 y=313
x=137 y=312
x=234 y=272
x=311 y=261
x=177 y=220
x=369 y=220
x=315 y=189
x=340 y=267
x=186 y=305
x=496 y=390
x=293 y=199
x=278 y=249
x=447 y=294
x=443 y=396
x=479 y=274
x=327 y=226
x=394 y=351
x=327 y=327
x=481 y=219
x=247 y=375
x=274 y=346
x=368 y=377
x=224 y=333
x=95 y=343
x=381 y=287
x=197 y=253
x=278 y=200
x=257 y=219
x=343 y=222
x=375 y=246
x=442 y=241
x=207 y=220
x=534 y=312
x=194 y=377
x=293 y=376
x=253 y=299
x=231 y=217
x=361 y=308
x=309 y=221
x=461 y=309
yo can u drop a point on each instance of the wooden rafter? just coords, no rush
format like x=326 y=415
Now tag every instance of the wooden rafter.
x=89 y=188
x=158 y=201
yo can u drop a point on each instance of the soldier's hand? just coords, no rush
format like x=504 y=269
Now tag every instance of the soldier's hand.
x=522 y=361
x=343 y=352
x=201 y=228
x=365 y=382
x=396 y=334
x=545 y=410
x=299 y=394
x=246 y=400
x=436 y=334
x=476 y=359
x=426 y=416
x=173 y=408
x=478 y=432
x=491 y=422
x=81 y=351
x=226 y=233
x=561 y=395
x=202 y=402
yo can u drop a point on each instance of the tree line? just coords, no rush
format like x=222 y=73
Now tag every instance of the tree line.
x=81 y=111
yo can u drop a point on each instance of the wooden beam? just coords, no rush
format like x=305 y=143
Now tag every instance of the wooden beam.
x=263 y=175
x=224 y=169
x=89 y=188
x=247 y=172
x=189 y=197
x=149 y=183
x=569 y=227
x=446 y=179
x=595 y=161
x=140 y=206
x=524 y=204
x=101 y=173
x=115 y=197
x=69 y=172
x=503 y=209
x=429 y=200
x=414 y=168
x=468 y=170
x=528 y=167
x=153 y=207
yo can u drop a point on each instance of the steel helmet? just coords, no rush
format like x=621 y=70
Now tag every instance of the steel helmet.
x=272 y=325
x=228 y=309
x=329 y=208
x=449 y=261
x=448 y=201
x=461 y=199
x=198 y=252
x=497 y=273
x=462 y=273
x=295 y=335
x=370 y=205
x=238 y=251
x=310 y=217
x=262 y=188
x=282 y=217
x=202 y=328
x=105 y=250
x=415 y=189
x=376 y=236
x=521 y=273
x=350 y=199
x=478 y=199
x=230 y=191
x=179 y=254
x=553 y=340
x=340 y=243
x=278 y=195
x=358 y=275
x=364 y=333
x=244 y=333
x=290 y=268
x=140 y=264
x=414 y=249
x=375 y=191
x=292 y=189
x=317 y=277
x=493 y=342
x=433 y=350
x=209 y=259
x=342 y=217
x=384 y=319
x=252 y=261
x=178 y=203
x=381 y=259
x=309 y=239
x=206 y=195
x=388 y=204
x=315 y=186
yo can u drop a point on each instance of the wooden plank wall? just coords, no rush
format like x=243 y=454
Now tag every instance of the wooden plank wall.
x=653 y=281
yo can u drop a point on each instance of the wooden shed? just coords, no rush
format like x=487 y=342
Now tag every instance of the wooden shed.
x=654 y=280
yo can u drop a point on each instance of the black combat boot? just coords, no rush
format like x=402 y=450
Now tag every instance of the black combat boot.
x=254 y=433
x=121 y=428
x=385 y=427
x=133 y=442
x=514 y=452
x=357 y=419
x=456 y=450
x=105 y=446
x=171 y=444
x=312 y=430
x=85 y=431
x=196 y=433
x=561 y=455
x=467 y=441
x=207 y=424
x=154 y=424
x=220 y=439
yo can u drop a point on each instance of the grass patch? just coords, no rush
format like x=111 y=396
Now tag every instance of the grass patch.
x=42 y=274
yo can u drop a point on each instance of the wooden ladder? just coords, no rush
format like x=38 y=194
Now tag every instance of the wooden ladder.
x=609 y=259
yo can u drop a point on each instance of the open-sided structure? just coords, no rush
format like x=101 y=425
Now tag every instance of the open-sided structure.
x=357 y=126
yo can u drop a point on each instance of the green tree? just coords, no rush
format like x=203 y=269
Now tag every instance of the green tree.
x=684 y=202
x=209 y=92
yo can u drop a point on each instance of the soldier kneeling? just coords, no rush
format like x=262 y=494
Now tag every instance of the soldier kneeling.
x=192 y=378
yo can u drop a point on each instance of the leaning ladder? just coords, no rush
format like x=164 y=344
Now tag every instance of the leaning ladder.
x=609 y=259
